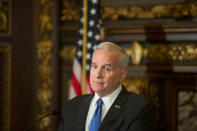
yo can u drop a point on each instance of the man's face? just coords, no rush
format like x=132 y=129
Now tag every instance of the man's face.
x=105 y=73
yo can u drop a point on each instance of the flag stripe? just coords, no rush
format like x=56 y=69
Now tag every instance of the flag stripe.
x=76 y=85
x=77 y=70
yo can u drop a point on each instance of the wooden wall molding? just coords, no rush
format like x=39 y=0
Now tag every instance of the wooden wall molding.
x=163 y=53
x=158 y=11
x=44 y=56
x=71 y=11
x=5 y=89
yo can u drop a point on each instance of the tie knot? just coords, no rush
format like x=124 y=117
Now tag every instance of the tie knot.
x=99 y=102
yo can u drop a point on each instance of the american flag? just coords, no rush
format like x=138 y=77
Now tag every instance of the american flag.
x=93 y=38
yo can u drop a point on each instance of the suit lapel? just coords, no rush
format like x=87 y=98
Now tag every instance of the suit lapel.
x=117 y=107
x=83 y=110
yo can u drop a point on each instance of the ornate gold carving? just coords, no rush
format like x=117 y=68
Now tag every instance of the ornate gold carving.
x=136 y=52
x=70 y=10
x=5 y=94
x=161 y=11
x=44 y=55
x=3 y=17
x=64 y=52
x=162 y=53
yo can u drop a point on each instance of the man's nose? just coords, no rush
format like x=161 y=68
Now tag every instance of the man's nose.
x=99 y=73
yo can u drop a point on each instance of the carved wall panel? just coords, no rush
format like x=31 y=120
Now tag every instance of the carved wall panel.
x=158 y=11
x=5 y=88
x=163 y=53
x=44 y=56
x=134 y=11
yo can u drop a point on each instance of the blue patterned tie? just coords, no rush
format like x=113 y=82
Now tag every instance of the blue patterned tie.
x=96 y=119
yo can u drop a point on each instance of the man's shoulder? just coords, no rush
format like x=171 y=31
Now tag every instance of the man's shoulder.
x=136 y=96
x=138 y=99
x=81 y=97
x=140 y=102
x=78 y=99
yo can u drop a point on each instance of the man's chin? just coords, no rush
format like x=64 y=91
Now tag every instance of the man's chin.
x=98 y=89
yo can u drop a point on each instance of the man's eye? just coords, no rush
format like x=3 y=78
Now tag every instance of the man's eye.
x=107 y=69
x=94 y=66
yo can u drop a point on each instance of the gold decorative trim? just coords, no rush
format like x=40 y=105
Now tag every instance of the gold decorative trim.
x=136 y=52
x=64 y=52
x=159 y=11
x=71 y=11
x=6 y=89
x=44 y=55
x=163 y=53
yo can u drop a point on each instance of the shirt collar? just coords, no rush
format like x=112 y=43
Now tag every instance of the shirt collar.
x=109 y=99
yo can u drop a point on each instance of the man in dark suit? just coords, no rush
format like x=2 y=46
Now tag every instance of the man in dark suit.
x=119 y=110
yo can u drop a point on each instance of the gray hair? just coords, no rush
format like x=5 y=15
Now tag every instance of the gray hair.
x=124 y=58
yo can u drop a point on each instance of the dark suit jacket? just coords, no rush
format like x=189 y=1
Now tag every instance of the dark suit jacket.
x=129 y=112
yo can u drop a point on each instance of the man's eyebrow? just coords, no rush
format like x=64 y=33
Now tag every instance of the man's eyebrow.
x=104 y=65
x=108 y=65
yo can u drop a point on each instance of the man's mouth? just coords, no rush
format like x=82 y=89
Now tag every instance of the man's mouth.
x=98 y=82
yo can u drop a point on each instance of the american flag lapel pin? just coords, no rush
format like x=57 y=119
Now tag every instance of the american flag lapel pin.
x=117 y=106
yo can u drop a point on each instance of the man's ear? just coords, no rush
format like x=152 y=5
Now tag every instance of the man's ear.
x=124 y=72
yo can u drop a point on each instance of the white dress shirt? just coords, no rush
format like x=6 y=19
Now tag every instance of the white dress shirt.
x=107 y=102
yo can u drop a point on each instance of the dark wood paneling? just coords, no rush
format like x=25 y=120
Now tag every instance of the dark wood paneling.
x=22 y=60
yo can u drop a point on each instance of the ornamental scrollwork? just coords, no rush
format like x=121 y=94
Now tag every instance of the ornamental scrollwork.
x=64 y=52
x=71 y=11
x=162 y=53
x=44 y=55
x=159 y=11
